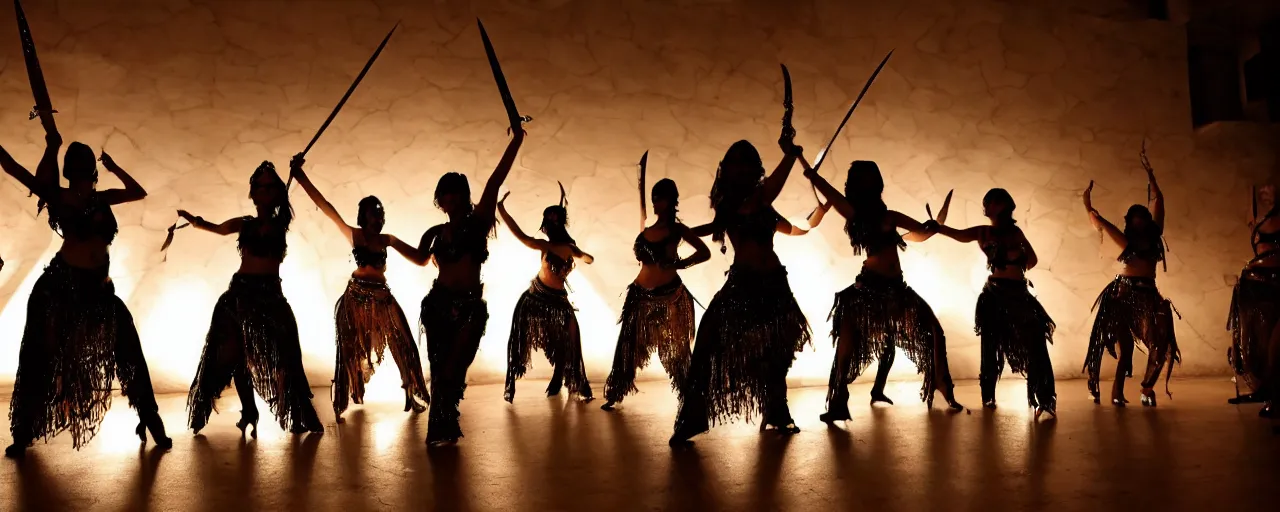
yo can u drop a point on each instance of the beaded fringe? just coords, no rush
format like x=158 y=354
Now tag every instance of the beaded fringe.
x=78 y=337
x=253 y=327
x=1126 y=308
x=1014 y=327
x=880 y=313
x=746 y=343
x=1255 y=312
x=452 y=322
x=544 y=319
x=660 y=319
x=369 y=320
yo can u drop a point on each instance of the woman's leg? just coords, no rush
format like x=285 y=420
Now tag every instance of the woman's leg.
x=992 y=367
x=843 y=373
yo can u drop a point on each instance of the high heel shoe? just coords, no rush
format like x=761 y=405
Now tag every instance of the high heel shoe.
x=989 y=404
x=1041 y=410
x=1094 y=393
x=247 y=421
x=954 y=405
x=1251 y=398
x=412 y=405
x=608 y=405
x=15 y=451
x=1265 y=412
x=880 y=397
x=1119 y=402
x=788 y=429
x=158 y=436
x=1148 y=398
x=141 y=431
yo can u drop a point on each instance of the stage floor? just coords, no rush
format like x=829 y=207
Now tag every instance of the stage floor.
x=1192 y=453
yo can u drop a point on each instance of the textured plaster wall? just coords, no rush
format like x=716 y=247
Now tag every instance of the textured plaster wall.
x=191 y=95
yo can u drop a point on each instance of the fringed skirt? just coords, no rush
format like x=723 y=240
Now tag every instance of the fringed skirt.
x=746 y=343
x=453 y=321
x=1131 y=312
x=1254 y=316
x=660 y=319
x=1014 y=327
x=369 y=320
x=254 y=331
x=544 y=320
x=78 y=337
x=879 y=313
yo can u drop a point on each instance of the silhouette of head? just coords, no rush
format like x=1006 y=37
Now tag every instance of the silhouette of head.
x=453 y=194
x=79 y=164
x=370 y=216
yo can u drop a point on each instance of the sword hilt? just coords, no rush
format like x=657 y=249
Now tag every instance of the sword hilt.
x=37 y=112
x=520 y=121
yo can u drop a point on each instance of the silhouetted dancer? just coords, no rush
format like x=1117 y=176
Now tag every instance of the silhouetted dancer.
x=544 y=319
x=368 y=318
x=1131 y=309
x=1011 y=323
x=253 y=337
x=454 y=312
x=657 y=314
x=879 y=313
x=79 y=335
x=753 y=326
x=1255 y=312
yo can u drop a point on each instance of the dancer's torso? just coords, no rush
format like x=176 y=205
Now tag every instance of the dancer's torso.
x=262 y=247
x=656 y=250
x=87 y=226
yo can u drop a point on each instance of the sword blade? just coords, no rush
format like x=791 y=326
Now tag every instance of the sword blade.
x=513 y=114
x=43 y=107
x=350 y=90
x=854 y=107
x=946 y=207
x=644 y=164
x=788 y=106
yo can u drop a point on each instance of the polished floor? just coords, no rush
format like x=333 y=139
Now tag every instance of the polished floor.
x=1192 y=453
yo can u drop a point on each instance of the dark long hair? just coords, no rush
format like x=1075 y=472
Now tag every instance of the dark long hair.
x=78 y=164
x=666 y=188
x=369 y=203
x=1148 y=239
x=281 y=211
x=863 y=188
x=1005 y=219
x=737 y=176
x=454 y=183
x=555 y=223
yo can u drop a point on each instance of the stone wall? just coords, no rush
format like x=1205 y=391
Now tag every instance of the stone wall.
x=191 y=95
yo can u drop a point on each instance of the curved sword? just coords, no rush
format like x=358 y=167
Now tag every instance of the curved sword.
x=946 y=207
x=851 y=109
x=44 y=107
x=343 y=101
x=644 y=164
x=513 y=114
x=789 y=108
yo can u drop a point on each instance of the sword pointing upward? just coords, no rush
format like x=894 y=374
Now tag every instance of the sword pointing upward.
x=44 y=107
x=644 y=207
x=513 y=114
x=350 y=90
x=851 y=109
x=789 y=107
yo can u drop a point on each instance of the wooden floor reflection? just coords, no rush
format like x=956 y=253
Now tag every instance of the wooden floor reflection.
x=1192 y=453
